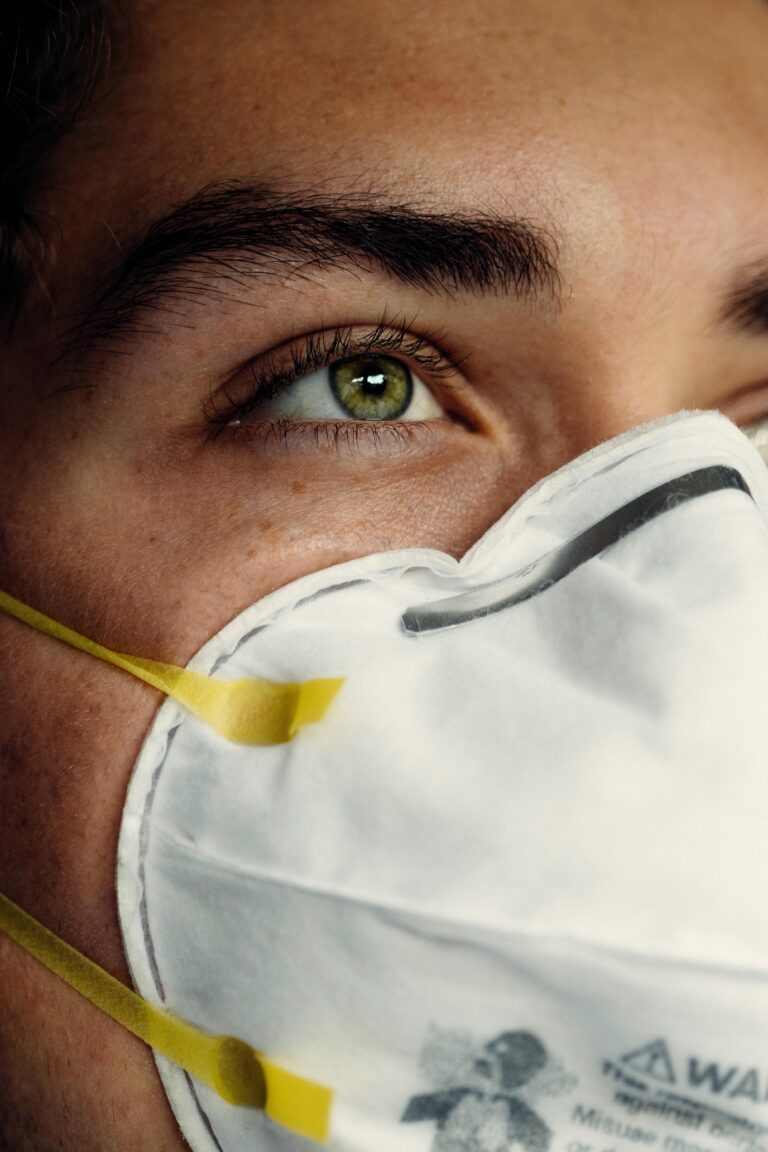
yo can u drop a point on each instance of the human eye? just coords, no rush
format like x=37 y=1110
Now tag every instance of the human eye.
x=371 y=386
x=385 y=377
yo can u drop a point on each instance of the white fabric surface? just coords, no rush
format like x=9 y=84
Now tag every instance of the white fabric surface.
x=551 y=821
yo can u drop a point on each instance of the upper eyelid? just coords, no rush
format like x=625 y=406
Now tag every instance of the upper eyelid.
x=384 y=339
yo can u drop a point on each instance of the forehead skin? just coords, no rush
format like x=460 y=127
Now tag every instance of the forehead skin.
x=634 y=133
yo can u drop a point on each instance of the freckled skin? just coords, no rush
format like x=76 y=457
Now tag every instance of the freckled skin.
x=635 y=132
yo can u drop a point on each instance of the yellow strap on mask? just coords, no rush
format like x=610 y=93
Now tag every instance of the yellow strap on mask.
x=245 y=711
x=231 y=1067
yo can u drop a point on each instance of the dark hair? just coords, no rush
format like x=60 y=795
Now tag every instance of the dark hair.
x=52 y=52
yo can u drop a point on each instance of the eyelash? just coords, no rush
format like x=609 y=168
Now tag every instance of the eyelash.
x=319 y=350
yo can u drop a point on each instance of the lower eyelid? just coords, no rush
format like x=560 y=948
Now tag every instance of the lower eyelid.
x=338 y=435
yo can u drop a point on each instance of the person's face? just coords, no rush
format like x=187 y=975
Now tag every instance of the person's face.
x=630 y=138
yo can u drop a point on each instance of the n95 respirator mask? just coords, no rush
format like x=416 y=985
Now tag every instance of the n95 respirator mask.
x=504 y=891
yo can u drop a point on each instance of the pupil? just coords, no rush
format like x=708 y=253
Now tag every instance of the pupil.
x=374 y=383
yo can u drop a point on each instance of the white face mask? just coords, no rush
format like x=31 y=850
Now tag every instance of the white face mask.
x=508 y=893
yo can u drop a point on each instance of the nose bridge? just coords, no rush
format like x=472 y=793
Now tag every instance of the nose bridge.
x=586 y=397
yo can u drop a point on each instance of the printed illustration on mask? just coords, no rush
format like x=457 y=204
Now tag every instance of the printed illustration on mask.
x=479 y=1103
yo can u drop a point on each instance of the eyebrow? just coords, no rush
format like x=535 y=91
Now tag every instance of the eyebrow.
x=229 y=234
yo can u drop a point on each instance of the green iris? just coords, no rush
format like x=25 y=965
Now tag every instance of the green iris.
x=372 y=387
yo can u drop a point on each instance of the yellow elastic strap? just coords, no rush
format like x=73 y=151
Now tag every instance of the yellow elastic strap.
x=231 y=1067
x=245 y=711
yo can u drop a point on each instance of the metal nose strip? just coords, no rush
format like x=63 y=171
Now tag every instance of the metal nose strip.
x=561 y=561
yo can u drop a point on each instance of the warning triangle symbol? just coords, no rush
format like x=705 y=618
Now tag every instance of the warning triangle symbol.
x=652 y=1060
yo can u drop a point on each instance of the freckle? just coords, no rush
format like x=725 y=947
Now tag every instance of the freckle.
x=250 y=553
x=297 y=487
x=152 y=539
x=266 y=525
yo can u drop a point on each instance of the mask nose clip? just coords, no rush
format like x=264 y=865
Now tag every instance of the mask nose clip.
x=561 y=561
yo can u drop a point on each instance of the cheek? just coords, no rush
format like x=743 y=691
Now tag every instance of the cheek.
x=69 y=734
x=154 y=560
